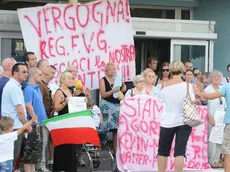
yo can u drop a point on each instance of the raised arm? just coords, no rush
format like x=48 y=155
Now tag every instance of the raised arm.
x=27 y=125
x=103 y=92
x=210 y=96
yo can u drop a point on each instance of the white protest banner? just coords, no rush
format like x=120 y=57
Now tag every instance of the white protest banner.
x=76 y=104
x=217 y=133
x=138 y=136
x=87 y=36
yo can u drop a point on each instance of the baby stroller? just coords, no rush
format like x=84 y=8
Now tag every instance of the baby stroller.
x=93 y=152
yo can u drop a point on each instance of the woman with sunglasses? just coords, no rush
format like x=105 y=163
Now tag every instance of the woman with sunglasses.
x=214 y=149
x=165 y=74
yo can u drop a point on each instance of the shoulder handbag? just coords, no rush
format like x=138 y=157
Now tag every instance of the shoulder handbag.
x=132 y=93
x=191 y=117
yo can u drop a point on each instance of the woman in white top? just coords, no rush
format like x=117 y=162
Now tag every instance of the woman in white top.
x=188 y=76
x=150 y=79
x=173 y=94
x=214 y=149
x=139 y=83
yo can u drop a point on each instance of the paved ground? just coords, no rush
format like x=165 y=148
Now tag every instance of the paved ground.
x=106 y=165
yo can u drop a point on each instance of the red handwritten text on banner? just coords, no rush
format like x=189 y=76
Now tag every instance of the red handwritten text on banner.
x=87 y=36
x=138 y=135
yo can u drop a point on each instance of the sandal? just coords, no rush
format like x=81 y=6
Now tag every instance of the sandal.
x=215 y=165
x=221 y=164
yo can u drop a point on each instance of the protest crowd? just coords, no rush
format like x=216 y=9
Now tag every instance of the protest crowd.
x=29 y=95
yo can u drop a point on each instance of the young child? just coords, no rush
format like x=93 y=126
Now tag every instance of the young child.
x=7 y=139
x=96 y=112
x=97 y=118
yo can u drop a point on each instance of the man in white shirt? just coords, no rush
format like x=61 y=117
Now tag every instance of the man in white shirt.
x=13 y=104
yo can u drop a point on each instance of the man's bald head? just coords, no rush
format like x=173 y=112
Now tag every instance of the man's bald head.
x=8 y=63
x=33 y=70
x=35 y=74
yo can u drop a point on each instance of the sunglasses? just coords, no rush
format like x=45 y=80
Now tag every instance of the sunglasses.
x=196 y=74
x=165 y=70
x=221 y=101
x=24 y=72
x=142 y=81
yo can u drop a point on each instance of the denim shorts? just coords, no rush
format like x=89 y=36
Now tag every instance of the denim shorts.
x=182 y=134
x=6 y=166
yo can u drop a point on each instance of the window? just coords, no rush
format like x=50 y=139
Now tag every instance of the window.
x=12 y=48
x=170 y=14
x=153 y=13
x=185 y=15
x=18 y=47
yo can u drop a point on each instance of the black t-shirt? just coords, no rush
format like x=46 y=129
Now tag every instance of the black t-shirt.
x=109 y=87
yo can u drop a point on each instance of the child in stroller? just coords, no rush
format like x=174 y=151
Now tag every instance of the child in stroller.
x=93 y=152
x=96 y=113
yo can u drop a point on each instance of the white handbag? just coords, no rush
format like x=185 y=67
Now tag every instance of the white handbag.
x=191 y=117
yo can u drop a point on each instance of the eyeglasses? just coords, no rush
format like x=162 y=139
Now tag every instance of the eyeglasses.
x=165 y=70
x=197 y=74
x=24 y=72
x=142 y=81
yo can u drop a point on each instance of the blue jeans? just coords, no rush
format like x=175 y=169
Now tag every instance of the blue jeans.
x=6 y=166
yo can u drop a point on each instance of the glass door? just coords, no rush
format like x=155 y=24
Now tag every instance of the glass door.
x=198 y=52
x=146 y=47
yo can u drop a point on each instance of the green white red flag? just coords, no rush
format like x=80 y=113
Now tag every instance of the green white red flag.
x=73 y=128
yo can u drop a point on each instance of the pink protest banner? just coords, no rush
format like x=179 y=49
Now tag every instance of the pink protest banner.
x=87 y=36
x=138 y=135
